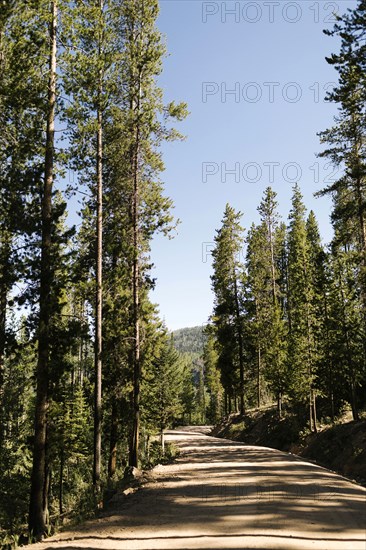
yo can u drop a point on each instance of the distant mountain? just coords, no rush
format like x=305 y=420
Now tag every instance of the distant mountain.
x=189 y=340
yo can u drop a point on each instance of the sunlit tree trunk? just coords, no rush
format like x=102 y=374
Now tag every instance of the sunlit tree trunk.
x=38 y=501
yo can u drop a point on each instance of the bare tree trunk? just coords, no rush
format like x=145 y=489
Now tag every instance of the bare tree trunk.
x=38 y=502
x=134 y=449
x=112 y=464
x=98 y=319
x=99 y=294
x=273 y=268
x=354 y=406
x=310 y=412
x=47 y=489
x=360 y=211
x=279 y=404
x=259 y=378
x=361 y=208
x=329 y=362
x=5 y=255
x=136 y=338
x=240 y=345
x=314 y=411
x=162 y=441
x=61 y=486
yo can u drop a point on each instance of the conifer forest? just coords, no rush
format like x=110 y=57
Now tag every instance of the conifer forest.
x=90 y=375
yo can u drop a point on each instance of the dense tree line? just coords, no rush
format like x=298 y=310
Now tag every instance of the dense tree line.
x=86 y=366
x=299 y=309
x=289 y=316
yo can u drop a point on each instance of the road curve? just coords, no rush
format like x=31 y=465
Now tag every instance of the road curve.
x=222 y=494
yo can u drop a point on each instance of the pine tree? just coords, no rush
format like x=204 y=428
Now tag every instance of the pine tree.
x=22 y=116
x=346 y=140
x=346 y=149
x=122 y=57
x=227 y=316
x=265 y=295
x=17 y=425
x=345 y=326
x=162 y=386
x=89 y=79
x=302 y=319
x=318 y=283
x=212 y=377
x=188 y=393
x=144 y=132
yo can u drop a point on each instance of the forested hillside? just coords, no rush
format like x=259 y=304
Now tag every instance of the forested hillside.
x=189 y=340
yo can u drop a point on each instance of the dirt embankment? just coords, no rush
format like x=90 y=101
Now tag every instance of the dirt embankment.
x=340 y=447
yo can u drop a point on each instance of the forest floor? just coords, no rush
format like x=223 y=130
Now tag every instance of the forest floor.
x=223 y=494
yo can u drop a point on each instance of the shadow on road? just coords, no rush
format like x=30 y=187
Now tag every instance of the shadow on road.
x=223 y=494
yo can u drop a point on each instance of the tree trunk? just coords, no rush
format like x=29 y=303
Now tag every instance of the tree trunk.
x=5 y=255
x=273 y=268
x=38 y=503
x=354 y=402
x=240 y=345
x=313 y=408
x=279 y=404
x=134 y=450
x=329 y=362
x=61 y=486
x=331 y=399
x=259 y=379
x=310 y=405
x=135 y=106
x=134 y=458
x=361 y=215
x=99 y=294
x=162 y=441
x=47 y=489
x=112 y=464
x=361 y=208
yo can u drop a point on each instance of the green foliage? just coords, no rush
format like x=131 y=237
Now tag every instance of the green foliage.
x=301 y=316
x=212 y=379
x=228 y=302
x=157 y=456
x=162 y=387
x=288 y=318
x=300 y=361
x=266 y=270
x=189 y=340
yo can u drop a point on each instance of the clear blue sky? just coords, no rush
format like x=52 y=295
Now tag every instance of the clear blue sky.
x=271 y=55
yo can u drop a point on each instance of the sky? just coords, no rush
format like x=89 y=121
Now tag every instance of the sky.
x=254 y=76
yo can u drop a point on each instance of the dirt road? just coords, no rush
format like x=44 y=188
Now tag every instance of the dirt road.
x=221 y=494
